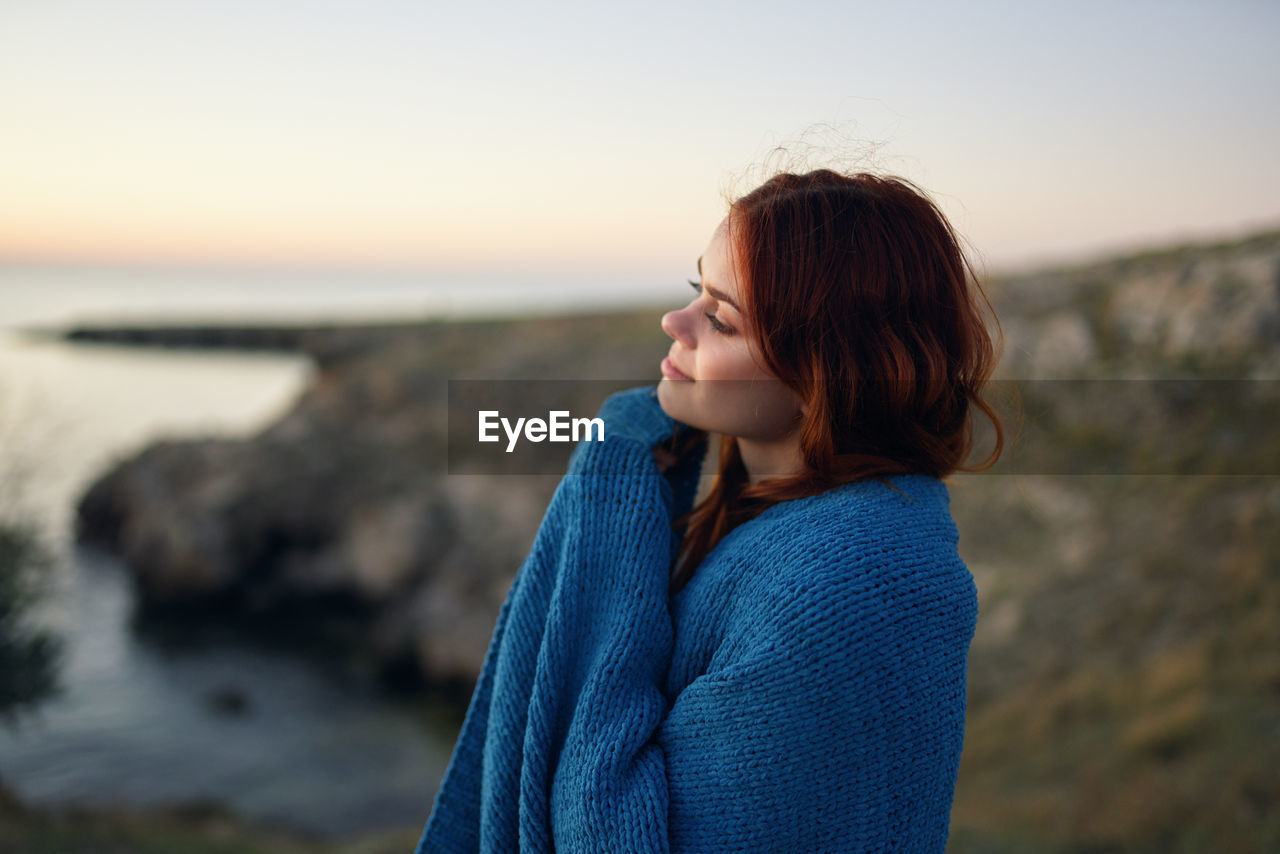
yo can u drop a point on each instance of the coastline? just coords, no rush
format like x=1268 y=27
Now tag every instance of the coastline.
x=1105 y=650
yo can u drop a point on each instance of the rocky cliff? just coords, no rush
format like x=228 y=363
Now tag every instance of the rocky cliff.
x=341 y=519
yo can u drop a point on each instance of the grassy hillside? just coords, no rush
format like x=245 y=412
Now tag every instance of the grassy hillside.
x=1125 y=678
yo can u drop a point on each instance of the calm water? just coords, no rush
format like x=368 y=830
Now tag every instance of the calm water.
x=45 y=295
x=135 y=723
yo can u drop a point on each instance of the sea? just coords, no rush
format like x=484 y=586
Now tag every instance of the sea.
x=136 y=721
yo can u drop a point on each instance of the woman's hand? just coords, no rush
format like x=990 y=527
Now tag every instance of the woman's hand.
x=670 y=453
x=665 y=458
x=636 y=416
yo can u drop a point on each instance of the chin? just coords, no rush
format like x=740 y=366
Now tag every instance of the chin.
x=666 y=399
x=664 y=393
x=669 y=398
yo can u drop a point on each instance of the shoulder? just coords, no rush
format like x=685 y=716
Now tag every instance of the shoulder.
x=859 y=551
x=865 y=523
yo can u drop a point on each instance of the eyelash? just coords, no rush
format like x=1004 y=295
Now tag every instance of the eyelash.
x=715 y=322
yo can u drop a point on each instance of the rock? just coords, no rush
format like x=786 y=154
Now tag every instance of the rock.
x=228 y=701
x=1064 y=347
x=1190 y=311
x=341 y=519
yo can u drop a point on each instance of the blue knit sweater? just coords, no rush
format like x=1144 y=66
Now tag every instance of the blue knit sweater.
x=805 y=692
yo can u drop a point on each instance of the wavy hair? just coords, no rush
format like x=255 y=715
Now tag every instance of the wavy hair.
x=858 y=297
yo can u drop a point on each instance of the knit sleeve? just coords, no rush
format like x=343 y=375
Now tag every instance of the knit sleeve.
x=606 y=664
x=635 y=418
x=557 y=752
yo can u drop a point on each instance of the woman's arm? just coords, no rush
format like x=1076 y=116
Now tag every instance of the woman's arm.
x=635 y=418
x=608 y=524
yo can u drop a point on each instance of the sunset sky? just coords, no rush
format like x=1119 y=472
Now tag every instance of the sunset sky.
x=580 y=135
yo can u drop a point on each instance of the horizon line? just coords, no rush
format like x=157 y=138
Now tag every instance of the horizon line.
x=1014 y=263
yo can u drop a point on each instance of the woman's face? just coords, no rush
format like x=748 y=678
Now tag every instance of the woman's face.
x=712 y=378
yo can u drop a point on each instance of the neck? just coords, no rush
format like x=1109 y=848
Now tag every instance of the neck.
x=766 y=459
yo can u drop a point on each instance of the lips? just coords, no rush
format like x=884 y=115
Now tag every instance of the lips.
x=671 y=372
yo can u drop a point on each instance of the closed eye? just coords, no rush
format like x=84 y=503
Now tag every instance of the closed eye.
x=718 y=326
x=711 y=318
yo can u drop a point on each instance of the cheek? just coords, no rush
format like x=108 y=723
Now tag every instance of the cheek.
x=730 y=361
x=760 y=409
x=732 y=394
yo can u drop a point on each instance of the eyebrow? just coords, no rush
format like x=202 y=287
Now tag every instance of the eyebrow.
x=716 y=294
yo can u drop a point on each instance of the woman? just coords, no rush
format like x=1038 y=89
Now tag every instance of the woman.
x=781 y=668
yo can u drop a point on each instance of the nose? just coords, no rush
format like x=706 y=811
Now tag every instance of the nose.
x=676 y=324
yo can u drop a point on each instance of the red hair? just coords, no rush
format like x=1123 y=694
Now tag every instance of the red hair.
x=858 y=297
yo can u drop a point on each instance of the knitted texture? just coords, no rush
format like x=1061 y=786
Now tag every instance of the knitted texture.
x=804 y=692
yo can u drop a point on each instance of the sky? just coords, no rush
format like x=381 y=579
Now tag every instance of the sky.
x=604 y=136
